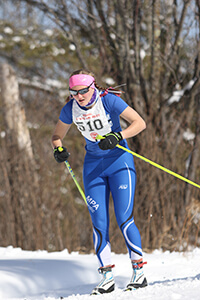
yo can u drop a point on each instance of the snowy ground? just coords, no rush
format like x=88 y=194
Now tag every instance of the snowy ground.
x=41 y=275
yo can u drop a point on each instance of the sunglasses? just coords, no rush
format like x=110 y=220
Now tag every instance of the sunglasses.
x=81 y=91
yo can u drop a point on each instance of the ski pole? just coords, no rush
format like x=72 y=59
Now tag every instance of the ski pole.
x=75 y=180
x=99 y=137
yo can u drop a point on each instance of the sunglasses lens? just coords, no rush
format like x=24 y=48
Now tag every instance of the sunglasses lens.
x=83 y=91
x=74 y=93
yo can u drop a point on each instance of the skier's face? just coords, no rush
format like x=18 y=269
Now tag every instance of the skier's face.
x=83 y=95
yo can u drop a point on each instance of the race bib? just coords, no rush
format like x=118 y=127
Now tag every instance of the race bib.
x=91 y=122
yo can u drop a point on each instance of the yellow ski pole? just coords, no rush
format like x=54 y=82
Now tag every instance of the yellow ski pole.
x=99 y=137
x=75 y=180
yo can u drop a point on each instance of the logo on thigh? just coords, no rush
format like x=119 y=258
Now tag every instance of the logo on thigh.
x=123 y=187
x=92 y=205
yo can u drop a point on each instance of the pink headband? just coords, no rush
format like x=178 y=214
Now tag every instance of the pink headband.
x=81 y=79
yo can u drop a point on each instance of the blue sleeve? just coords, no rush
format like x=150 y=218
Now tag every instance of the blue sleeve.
x=115 y=103
x=66 y=113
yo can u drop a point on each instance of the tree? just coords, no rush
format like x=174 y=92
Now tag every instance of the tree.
x=18 y=165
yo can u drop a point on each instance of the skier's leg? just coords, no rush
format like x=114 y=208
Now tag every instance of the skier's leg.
x=122 y=185
x=97 y=195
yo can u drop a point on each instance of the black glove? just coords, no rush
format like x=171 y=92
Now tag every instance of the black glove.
x=110 y=141
x=60 y=154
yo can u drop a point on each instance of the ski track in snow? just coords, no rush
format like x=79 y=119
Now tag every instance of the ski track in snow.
x=39 y=275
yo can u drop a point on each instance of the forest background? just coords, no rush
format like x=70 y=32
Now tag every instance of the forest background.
x=153 y=47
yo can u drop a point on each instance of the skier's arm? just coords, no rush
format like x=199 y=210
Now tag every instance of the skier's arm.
x=60 y=131
x=137 y=124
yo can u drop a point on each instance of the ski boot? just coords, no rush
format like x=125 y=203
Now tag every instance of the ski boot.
x=107 y=285
x=138 y=280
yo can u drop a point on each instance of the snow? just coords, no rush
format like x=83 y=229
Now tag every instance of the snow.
x=178 y=94
x=142 y=54
x=47 y=85
x=8 y=30
x=109 y=81
x=188 y=135
x=39 y=275
x=2 y=134
x=56 y=51
x=48 y=32
x=72 y=47
x=17 y=39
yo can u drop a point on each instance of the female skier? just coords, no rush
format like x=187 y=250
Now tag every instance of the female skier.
x=106 y=169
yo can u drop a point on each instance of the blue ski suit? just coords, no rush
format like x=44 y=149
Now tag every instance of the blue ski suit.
x=105 y=172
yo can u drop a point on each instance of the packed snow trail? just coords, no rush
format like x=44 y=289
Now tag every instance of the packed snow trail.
x=40 y=275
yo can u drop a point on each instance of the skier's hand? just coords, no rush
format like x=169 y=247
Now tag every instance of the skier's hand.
x=60 y=154
x=110 y=140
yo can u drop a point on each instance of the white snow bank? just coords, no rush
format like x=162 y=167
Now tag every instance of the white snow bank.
x=47 y=276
